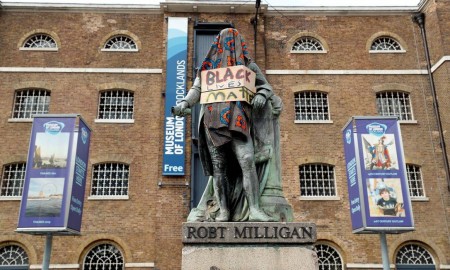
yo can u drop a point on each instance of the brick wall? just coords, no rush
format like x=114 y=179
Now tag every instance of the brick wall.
x=147 y=226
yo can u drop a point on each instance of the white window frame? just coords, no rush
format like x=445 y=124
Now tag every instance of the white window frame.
x=101 y=103
x=15 y=180
x=335 y=196
x=297 y=104
x=313 y=39
x=420 y=179
x=17 y=251
x=393 y=92
x=401 y=50
x=334 y=258
x=416 y=251
x=104 y=49
x=105 y=249
x=46 y=103
x=94 y=178
x=49 y=49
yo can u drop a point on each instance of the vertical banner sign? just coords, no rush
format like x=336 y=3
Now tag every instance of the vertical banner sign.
x=174 y=126
x=55 y=178
x=79 y=176
x=376 y=176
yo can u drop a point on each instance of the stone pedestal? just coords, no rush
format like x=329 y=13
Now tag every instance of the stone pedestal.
x=248 y=246
x=252 y=257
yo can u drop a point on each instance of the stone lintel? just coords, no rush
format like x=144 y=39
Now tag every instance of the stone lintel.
x=249 y=232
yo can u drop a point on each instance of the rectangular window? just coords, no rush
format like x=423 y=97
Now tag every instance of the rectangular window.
x=31 y=101
x=13 y=178
x=416 y=189
x=311 y=106
x=317 y=180
x=116 y=104
x=110 y=179
x=395 y=104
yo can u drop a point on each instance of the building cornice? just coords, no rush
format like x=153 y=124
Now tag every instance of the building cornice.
x=340 y=11
x=207 y=6
x=64 y=7
x=211 y=6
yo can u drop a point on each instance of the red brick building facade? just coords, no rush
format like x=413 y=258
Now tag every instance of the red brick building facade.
x=344 y=70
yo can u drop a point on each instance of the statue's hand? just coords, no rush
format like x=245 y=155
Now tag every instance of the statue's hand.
x=258 y=101
x=182 y=109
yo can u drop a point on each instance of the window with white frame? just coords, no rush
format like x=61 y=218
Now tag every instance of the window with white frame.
x=311 y=106
x=317 y=180
x=13 y=255
x=104 y=256
x=116 y=105
x=28 y=102
x=392 y=103
x=385 y=43
x=13 y=177
x=307 y=44
x=413 y=254
x=416 y=189
x=328 y=257
x=120 y=43
x=40 y=41
x=110 y=180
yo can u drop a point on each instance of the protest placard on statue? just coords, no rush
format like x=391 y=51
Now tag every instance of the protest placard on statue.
x=235 y=83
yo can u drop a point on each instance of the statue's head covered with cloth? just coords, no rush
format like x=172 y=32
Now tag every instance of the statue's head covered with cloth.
x=228 y=49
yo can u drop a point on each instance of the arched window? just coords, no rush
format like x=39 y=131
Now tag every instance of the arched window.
x=110 y=180
x=329 y=257
x=116 y=104
x=311 y=106
x=40 y=41
x=385 y=43
x=13 y=177
x=13 y=255
x=411 y=255
x=104 y=256
x=307 y=44
x=394 y=103
x=120 y=43
x=31 y=101
x=317 y=180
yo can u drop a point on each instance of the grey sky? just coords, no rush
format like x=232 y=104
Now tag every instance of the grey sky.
x=270 y=2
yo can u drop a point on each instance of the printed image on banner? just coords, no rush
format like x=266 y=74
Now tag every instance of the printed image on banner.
x=51 y=149
x=380 y=152
x=385 y=197
x=45 y=197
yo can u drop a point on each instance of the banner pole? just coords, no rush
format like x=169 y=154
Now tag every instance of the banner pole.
x=48 y=251
x=384 y=251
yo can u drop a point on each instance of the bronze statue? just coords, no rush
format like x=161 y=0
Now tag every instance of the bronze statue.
x=238 y=144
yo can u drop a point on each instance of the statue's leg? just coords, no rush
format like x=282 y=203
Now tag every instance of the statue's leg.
x=245 y=155
x=220 y=183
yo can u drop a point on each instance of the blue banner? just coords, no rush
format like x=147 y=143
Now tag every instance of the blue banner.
x=353 y=176
x=175 y=126
x=376 y=175
x=79 y=177
x=50 y=187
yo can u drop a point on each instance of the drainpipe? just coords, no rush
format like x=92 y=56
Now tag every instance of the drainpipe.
x=254 y=21
x=419 y=18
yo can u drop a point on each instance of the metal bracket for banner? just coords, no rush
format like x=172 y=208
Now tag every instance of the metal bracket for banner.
x=186 y=184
